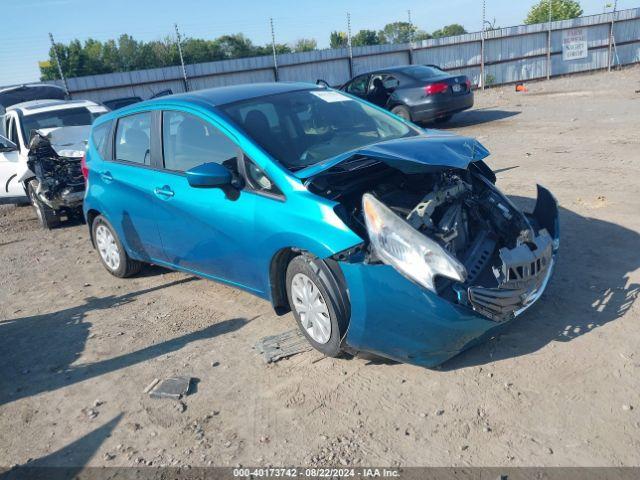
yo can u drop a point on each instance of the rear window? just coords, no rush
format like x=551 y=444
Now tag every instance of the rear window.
x=422 y=72
x=68 y=117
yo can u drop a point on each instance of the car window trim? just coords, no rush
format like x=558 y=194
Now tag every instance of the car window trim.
x=242 y=168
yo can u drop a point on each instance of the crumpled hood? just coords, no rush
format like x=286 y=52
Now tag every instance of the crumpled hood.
x=420 y=154
x=68 y=141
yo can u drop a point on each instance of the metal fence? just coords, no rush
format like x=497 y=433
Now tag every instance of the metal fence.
x=504 y=55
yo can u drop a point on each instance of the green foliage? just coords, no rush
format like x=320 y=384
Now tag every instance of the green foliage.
x=305 y=45
x=125 y=54
x=367 y=37
x=338 y=39
x=449 y=30
x=398 y=32
x=560 y=10
x=421 y=35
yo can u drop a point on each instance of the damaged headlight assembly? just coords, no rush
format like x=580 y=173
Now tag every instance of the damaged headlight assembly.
x=410 y=252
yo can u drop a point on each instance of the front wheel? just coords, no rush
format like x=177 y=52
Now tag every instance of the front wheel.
x=112 y=253
x=402 y=112
x=47 y=216
x=318 y=303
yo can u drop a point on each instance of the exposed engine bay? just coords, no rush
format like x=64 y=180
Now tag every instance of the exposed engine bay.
x=58 y=181
x=506 y=253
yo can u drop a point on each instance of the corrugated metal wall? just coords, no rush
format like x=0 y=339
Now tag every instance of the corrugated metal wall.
x=510 y=54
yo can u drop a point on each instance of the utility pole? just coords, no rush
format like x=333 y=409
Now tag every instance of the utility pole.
x=410 y=37
x=349 y=45
x=612 y=40
x=549 y=41
x=484 y=9
x=184 y=70
x=55 y=55
x=273 y=50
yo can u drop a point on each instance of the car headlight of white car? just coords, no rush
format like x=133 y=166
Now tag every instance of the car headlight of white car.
x=411 y=253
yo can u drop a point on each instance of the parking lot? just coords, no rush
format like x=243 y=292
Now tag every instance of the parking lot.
x=559 y=387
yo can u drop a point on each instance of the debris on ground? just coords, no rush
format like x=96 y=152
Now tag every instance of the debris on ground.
x=174 y=387
x=283 y=345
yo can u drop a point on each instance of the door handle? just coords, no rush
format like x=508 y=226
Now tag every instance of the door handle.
x=163 y=191
x=106 y=176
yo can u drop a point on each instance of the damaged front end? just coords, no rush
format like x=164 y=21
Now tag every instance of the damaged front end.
x=470 y=259
x=55 y=160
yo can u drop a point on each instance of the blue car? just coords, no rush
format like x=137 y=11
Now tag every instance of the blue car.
x=379 y=236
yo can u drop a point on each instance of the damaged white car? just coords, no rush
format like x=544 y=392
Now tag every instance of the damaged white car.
x=42 y=143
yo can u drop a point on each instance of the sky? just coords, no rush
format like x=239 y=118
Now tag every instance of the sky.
x=25 y=24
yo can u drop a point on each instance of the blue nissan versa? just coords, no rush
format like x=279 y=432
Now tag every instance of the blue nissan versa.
x=378 y=235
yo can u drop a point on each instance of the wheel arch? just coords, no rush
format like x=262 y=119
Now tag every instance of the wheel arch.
x=328 y=269
x=91 y=215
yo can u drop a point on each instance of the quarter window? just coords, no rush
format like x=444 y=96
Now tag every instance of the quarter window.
x=132 y=138
x=187 y=142
x=99 y=136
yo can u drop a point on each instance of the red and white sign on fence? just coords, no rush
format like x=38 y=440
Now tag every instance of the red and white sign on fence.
x=574 y=44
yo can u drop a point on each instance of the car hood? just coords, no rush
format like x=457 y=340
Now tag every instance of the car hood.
x=419 y=154
x=67 y=141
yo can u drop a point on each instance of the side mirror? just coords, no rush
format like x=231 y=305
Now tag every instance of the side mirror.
x=7 y=145
x=209 y=175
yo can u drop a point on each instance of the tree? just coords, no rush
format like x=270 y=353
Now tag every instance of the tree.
x=366 y=37
x=338 y=39
x=560 y=10
x=421 y=35
x=398 y=32
x=449 y=31
x=305 y=45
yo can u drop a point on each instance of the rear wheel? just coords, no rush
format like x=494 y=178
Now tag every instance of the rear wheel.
x=402 y=112
x=112 y=254
x=318 y=303
x=47 y=216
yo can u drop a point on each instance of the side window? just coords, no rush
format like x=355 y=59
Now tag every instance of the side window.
x=359 y=85
x=258 y=180
x=132 y=138
x=99 y=136
x=188 y=141
x=13 y=131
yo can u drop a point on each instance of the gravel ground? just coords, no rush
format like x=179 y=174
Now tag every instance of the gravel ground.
x=559 y=387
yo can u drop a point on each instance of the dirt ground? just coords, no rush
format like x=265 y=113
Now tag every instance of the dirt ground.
x=559 y=387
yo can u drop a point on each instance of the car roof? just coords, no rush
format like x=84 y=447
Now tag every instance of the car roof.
x=38 y=106
x=213 y=97
x=398 y=69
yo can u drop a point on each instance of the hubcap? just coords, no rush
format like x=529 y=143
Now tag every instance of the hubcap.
x=309 y=303
x=107 y=247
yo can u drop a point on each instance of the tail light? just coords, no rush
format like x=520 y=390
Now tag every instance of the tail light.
x=84 y=168
x=468 y=82
x=436 y=88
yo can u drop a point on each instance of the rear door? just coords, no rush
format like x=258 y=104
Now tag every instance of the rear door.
x=124 y=185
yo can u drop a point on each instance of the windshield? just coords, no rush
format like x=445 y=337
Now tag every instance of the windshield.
x=68 y=117
x=305 y=127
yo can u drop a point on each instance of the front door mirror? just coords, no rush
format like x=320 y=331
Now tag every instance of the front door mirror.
x=7 y=145
x=209 y=175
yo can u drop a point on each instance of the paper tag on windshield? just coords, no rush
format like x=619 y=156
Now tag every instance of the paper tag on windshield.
x=331 y=96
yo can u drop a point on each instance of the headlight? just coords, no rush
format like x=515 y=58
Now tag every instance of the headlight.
x=398 y=244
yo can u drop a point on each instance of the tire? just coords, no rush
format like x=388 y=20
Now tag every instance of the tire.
x=110 y=250
x=402 y=112
x=47 y=216
x=308 y=278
